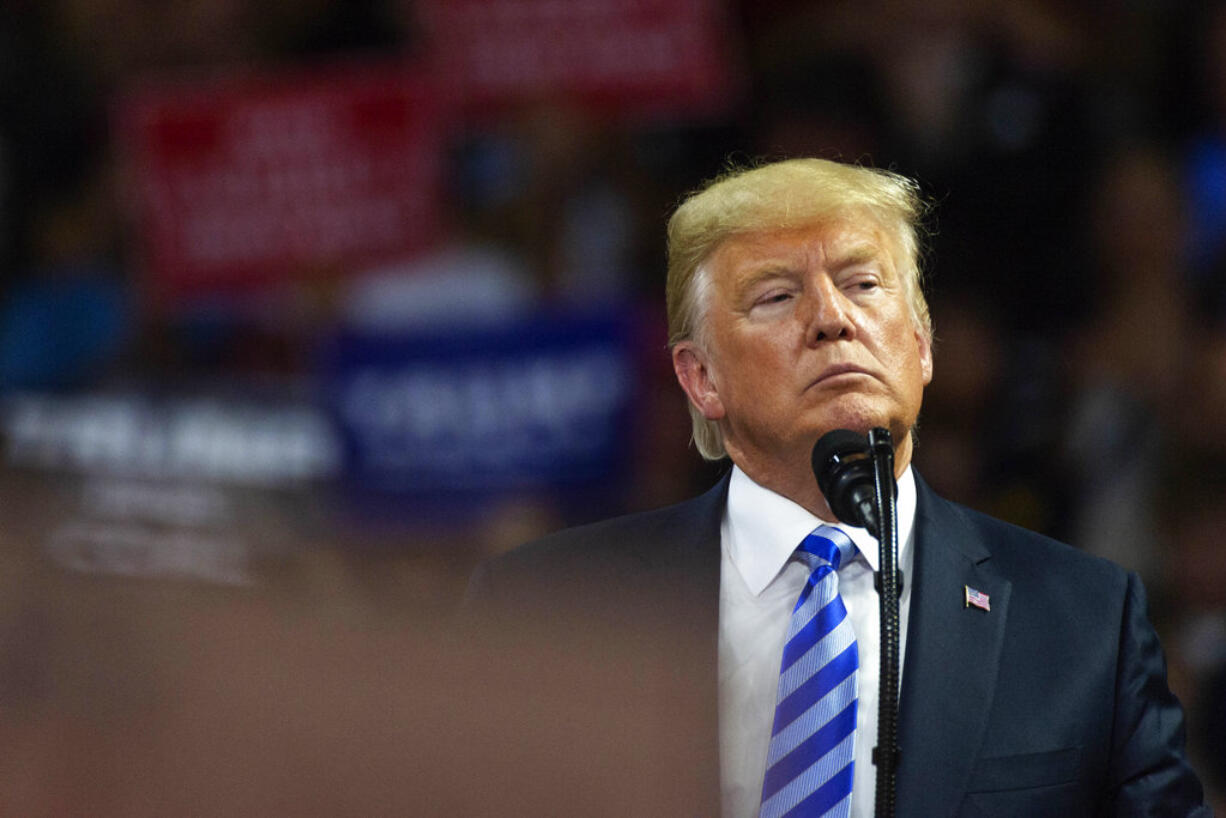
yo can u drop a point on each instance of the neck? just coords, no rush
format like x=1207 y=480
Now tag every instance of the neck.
x=793 y=477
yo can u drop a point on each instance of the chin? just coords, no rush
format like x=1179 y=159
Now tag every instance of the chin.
x=861 y=424
x=857 y=418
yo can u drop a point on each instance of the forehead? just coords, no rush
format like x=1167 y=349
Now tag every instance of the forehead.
x=834 y=242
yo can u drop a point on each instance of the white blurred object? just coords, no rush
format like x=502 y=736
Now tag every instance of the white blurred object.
x=459 y=283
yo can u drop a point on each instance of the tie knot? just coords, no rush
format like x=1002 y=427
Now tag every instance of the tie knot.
x=828 y=544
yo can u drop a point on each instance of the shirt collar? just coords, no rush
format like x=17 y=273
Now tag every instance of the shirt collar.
x=763 y=528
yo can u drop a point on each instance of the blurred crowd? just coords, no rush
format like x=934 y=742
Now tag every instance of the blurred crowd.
x=1075 y=153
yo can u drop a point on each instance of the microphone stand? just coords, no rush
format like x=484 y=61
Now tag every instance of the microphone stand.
x=885 y=754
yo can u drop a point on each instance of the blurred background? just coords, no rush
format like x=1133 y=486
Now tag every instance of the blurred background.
x=306 y=307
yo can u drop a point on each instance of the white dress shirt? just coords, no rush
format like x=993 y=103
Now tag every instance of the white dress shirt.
x=759 y=585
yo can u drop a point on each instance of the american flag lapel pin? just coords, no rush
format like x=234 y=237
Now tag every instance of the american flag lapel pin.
x=976 y=598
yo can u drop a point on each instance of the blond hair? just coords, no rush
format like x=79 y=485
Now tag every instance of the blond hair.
x=779 y=196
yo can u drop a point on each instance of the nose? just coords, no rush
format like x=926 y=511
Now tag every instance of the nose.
x=827 y=316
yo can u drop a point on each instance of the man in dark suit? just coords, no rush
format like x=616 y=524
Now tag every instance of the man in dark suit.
x=1032 y=682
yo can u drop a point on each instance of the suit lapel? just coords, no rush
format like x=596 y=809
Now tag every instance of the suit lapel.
x=684 y=552
x=952 y=656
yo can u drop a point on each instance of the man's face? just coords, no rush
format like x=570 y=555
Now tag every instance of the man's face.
x=807 y=330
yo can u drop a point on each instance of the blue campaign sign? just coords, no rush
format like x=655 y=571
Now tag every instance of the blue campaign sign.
x=541 y=402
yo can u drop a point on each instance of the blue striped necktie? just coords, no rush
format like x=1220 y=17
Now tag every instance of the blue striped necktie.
x=810 y=761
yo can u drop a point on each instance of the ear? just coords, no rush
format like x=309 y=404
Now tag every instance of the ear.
x=924 y=341
x=693 y=370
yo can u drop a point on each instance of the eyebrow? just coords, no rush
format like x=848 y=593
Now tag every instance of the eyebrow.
x=856 y=254
x=768 y=270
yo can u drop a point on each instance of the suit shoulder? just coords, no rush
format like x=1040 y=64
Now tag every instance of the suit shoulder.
x=1028 y=553
x=619 y=544
x=618 y=534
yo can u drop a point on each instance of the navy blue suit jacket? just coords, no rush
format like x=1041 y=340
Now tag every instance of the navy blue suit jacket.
x=1054 y=702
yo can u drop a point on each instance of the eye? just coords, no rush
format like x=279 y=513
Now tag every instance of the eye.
x=862 y=283
x=773 y=296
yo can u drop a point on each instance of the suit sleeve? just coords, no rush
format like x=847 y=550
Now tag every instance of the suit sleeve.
x=1150 y=775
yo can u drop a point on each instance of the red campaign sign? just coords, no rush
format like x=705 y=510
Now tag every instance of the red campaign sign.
x=633 y=57
x=254 y=181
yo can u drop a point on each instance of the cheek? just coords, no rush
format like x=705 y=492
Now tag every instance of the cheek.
x=920 y=374
x=906 y=354
x=749 y=352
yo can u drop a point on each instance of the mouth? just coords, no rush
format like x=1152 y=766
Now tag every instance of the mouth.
x=839 y=371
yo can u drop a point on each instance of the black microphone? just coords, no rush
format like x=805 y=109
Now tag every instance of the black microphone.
x=843 y=466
